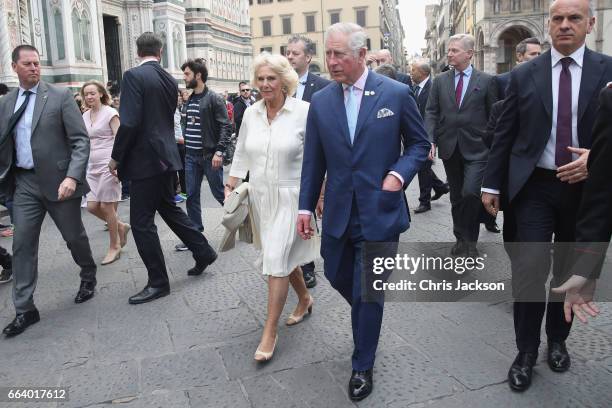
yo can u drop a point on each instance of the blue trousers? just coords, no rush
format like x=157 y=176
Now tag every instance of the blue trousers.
x=344 y=269
x=196 y=167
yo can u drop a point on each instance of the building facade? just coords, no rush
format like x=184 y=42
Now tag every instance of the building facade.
x=274 y=21
x=81 y=40
x=498 y=26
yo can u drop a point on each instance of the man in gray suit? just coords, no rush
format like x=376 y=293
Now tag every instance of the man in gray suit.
x=44 y=149
x=456 y=117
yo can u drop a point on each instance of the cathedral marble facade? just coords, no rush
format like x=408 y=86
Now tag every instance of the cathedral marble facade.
x=80 y=40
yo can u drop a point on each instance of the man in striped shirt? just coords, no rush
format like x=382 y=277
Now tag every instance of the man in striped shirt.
x=207 y=134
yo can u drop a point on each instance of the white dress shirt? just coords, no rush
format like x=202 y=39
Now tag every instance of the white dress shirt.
x=421 y=85
x=547 y=160
x=23 y=129
x=299 y=93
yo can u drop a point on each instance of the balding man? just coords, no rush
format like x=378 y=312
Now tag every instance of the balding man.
x=540 y=152
x=384 y=57
x=421 y=74
x=456 y=117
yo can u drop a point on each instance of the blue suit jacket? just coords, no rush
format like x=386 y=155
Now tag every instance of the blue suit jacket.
x=358 y=170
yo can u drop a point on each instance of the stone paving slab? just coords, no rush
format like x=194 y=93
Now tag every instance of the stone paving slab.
x=194 y=348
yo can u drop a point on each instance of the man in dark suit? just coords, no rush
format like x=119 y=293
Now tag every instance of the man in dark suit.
x=242 y=102
x=594 y=225
x=300 y=50
x=354 y=133
x=44 y=149
x=526 y=50
x=456 y=116
x=145 y=153
x=540 y=153
x=421 y=73
x=384 y=56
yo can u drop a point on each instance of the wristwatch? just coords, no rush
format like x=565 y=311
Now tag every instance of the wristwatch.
x=220 y=154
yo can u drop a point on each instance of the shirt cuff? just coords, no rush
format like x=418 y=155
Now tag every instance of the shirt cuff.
x=304 y=212
x=399 y=177
x=489 y=190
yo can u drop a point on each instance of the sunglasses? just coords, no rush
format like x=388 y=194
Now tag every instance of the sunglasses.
x=244 y=90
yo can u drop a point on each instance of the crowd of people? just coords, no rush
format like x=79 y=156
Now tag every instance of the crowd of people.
x=533 y=142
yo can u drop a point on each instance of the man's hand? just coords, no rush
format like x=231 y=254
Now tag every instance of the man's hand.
x=112 y=167
x=578 y=298
x=391 y=183
x=319 y=208
x=577 y=170
x=303 y=226
x=490 y=202
x=432 y=152
x=66 y=189
x=217 y=161
x=180 y=140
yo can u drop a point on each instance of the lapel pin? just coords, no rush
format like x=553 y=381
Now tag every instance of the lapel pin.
x=367 y=93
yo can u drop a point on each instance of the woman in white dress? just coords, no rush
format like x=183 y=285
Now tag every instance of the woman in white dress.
x=270 y=148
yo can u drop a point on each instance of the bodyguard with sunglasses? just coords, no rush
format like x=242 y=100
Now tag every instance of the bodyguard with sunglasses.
x=243 y=101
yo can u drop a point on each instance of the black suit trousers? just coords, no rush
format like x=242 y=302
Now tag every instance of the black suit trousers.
x=544 y=208
x=156 y=194
x=428 y=181
x=464 y=181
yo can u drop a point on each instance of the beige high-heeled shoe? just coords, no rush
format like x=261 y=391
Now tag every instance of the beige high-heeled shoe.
x=123 y=237
x=293 y=319
x=108 y=259
x=262 y=356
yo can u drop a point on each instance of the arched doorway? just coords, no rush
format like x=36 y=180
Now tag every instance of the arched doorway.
x=480 y=51
x=506 y=45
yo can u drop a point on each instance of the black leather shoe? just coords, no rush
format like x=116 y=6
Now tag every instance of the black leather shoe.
x=86 y=292
x=21 y=322
x=361 y=384
x=148 y=294
x=440 y=193
x=493 y=228
x=521 y=371
x=201 y=266
x=459 y=249
x=558 y=357
x=422 y=208
x=310 y=279
x=472 y=252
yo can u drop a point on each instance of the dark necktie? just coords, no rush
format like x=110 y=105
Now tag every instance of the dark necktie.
x=417 y=89
x=17 y=115
x=459 y=89
x=564 y=115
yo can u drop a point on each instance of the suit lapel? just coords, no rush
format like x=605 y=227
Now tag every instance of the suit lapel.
x=340 y=112
x=592 y=70
x=307 y=95
x=450 y=86
x=370 y=96
x=423 y=93
x=41 y=100
x=9 y=108
x=541 y=71
x=471 y=86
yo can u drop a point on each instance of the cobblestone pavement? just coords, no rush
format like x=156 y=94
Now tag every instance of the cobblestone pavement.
x=194 y=348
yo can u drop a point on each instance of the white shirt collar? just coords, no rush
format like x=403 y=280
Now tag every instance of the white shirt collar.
x=34 y=90
x=423 y=83
x=148 y=59
x=303 y=78
x=577 y=56
x=360 y=83
x=466 y=72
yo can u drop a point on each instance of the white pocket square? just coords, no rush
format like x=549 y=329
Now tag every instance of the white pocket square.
x=384 y=112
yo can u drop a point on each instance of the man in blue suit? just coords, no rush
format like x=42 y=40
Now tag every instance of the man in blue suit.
x=355 y=132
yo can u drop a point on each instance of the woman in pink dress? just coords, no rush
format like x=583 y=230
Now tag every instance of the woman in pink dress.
x=102 y=123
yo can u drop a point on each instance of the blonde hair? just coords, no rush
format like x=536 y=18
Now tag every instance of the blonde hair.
x=281 y=66
x=105 y=99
